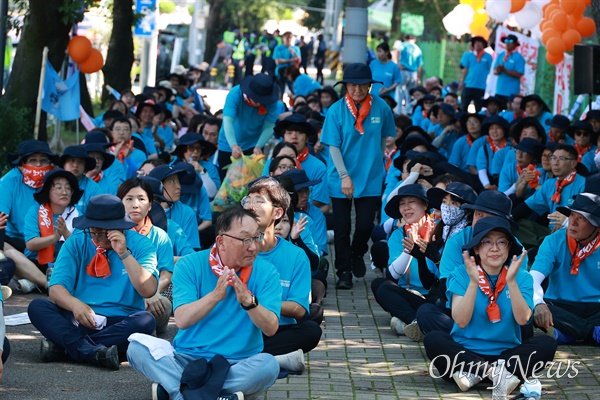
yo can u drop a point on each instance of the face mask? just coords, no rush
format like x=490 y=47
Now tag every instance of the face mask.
x=451 y=215
x=34 y=176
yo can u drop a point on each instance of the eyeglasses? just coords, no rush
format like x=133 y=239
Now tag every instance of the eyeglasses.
x=248 y=201
x=583 y=133
x=502 y=244
x=39 y=162
x=127 y=129
x=62 y=189
x=195 y=148
x=247 y=242
x=561 y=158
x=284 y=168
x=97 y=235
x=473 y=122
x=546 y=156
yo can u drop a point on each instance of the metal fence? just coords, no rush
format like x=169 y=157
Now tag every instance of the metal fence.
x=443 y=59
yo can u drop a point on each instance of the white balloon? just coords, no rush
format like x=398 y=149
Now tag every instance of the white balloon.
x=540 y=3
x=536 y=32
x=465 y=11
x=530 y=16
x=498 y=9
x=458 y=21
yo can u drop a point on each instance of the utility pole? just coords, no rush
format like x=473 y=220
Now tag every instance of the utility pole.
x=197 y=36
x=355 y=34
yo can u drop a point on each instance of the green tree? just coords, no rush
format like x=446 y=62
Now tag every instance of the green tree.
x=314 y=19
x=166 y=6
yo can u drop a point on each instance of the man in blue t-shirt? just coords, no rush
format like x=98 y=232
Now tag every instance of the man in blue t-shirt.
x=102 y=275
x=224 y=299
x=411 y=66
x=509 y=67
x=569 y=309
x=475 y=66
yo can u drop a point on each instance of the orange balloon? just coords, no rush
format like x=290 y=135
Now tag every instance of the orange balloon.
x=481 y=31
x=93 y=63
x=569 y=5
x=477 y=4
x=517 y=5
x=570 y=38
x=560 y=20
x=549 y=34
x=554 y=59
x=546 y=24
x=555 y=46
x=79 y=48
x=579 y=8
x=586 y=26
x=550 y=8
x=588 y=3
x=480 y=19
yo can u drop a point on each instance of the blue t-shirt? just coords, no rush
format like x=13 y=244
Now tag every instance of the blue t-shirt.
x=164 y=248
x=546 y=119
x=411 y=57
x=476 y=77
x=16 y=198
x=463 y=156
x=113 y=296
x=247 y=125
x=481 y=335
x=148 y=139
x=541 y=201
x=227 y=330
x=486 y=157
x=450 y=139
x=294 y=274
x=362 y=154
x=318 y=227
x=133 y=162
x=90 y=189
x=112 y=177
x=509 y=85
x=388 y=73
x=31 y=229
x=282 y=51
x=410 y=279
x=417 y=116
x=502 y=156
x=186 y=218
x=588 y=160
x=199 y=203
x=509 y=176
x=181 y=244
x=305 y=85
x=554 y=261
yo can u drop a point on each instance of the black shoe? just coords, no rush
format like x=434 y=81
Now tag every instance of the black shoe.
x=50 y=352
x=344 y=281
x=107 y=357
x=323 y=266
x=232 y=396
x=358 y=266
x=159 y=392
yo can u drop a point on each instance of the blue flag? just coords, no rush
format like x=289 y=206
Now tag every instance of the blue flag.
x=61 y=98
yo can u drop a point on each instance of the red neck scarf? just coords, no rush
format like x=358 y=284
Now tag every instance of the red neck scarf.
x=302 y=156
x=425 y=116
x=479 y=55
x=217 y=268
x=261 y=109
x=99 y=266
x=507 y=54
x=359 y=115
x=492 y=310
x=494 y=146
x=98 y=177
x=34 y=176
x=560 y=184
x=145 y=229
x=126 y=148
x=46 y=224
x=425 y=230
x=580 y=253
x=389 y=157
x=535 y=182
x=469 y=140
x=581 y=150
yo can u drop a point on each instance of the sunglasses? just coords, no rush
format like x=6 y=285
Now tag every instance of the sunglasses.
x=509 y=41
x=584 y=133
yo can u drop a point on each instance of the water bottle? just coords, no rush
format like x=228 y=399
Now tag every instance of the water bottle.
x=500 y=374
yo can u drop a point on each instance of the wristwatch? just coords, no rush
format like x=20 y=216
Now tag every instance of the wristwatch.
x=252 y=305
x=125 y=255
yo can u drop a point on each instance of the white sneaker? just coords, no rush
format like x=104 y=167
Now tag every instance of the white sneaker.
x=232 y=396
x=6 y=292
x=26 y=286
x=466 y=380
x=397 y=326
x=293 y=361
x=510 y=383
x=413 y=332
x=330 y=235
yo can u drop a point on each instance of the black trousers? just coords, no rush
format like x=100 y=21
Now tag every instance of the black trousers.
x=399 y=302
x=431 y=318
x=365 y=209
x=575 y=319
x=6 y=350
x=472 y=94
x=304 y=335
x=447 y=355
x=224 y=159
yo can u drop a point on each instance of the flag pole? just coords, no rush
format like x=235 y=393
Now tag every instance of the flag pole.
x=38 y=109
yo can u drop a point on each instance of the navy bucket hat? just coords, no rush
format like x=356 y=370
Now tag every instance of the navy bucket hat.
x=79 y=151
x=191 y=183
x=260 y=88
x=497 y=224
x=586 y=204
x=357 y=74
x=298 y=121
x=461 y=191
x=392 y=208
x=29 y=147
x=208 y=149
x=300 y=179
x=104 y=211
x=202 y=379
x=42 y=195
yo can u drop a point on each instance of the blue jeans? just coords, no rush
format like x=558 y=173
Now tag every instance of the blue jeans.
x=251 y=376
x=409 y=81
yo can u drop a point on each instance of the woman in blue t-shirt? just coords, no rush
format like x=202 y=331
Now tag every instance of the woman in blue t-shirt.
x=490 y=301
x=386 y=71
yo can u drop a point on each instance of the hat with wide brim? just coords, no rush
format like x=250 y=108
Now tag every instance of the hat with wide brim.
x=100 y=148
x=413 y=141
x=42 y=195
x=295 y=120
x=157 y=188
x=586 y=204
x=534 y=97
x=528 y=121
x=29 y=147
x=410 y=131
x=357 y=74
x=300 y=179
x=162 y=172
x=581 y=126
x=148 y=103
x=261 y=88
x=79 y=151
x=202 y=379
x=464 y=117
x=494 y=99
x=480 y=39
x=390 y=100
x=495 y=120
x=593 y=114
x=392 y=208
x=494 y=224
x=560 y=121
x=98 y=137
x=512 y=38
x=531 y=146
x=464 y=193
x=191 y=183
x=208 y=148
x=492 y=202
x=104 y=211
x=417 y=89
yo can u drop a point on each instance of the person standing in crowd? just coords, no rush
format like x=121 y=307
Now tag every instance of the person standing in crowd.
x=386 y=71
x=475 y=66
x=285 y=55
x=411 y=68
x=509 y=67
x=355 y=127
x=223 y=55
x=320 y=58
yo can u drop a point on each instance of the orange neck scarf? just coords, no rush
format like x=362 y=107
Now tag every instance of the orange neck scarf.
x=581 y=150
x=46 y=224
x=261 y=109
x=495 y=147
x=560 y=184
x=479 y=55
x=217 y=267
x=99 y=266
x=425 y=230
x=34 y=176
x=302 y=156
x=535 y=182
x=578 y=254
x=359 y=115
x=507 y=54
x=492 y=310
x=98 y=177
x=126 y=148
x=469 y=140
x=389 y=157
x=145 y=229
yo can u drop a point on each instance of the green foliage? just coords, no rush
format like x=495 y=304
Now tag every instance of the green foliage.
x=166 y=6
x=72 y=12
x=248 y=15
x=288 y=15
x=314 y=19
x=16 y=127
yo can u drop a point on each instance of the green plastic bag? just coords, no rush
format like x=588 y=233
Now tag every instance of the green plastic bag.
x=235 y=185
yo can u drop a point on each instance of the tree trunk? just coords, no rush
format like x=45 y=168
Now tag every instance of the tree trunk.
x=396 y=29
x=119 y=58
x=42 y=27
x=212 y=23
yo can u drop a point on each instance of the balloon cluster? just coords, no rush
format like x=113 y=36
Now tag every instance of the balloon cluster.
x=469 y=16
x=89 y=59
x=563 y=27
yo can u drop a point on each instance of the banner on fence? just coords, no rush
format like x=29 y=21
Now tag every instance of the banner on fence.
x=562 y=88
